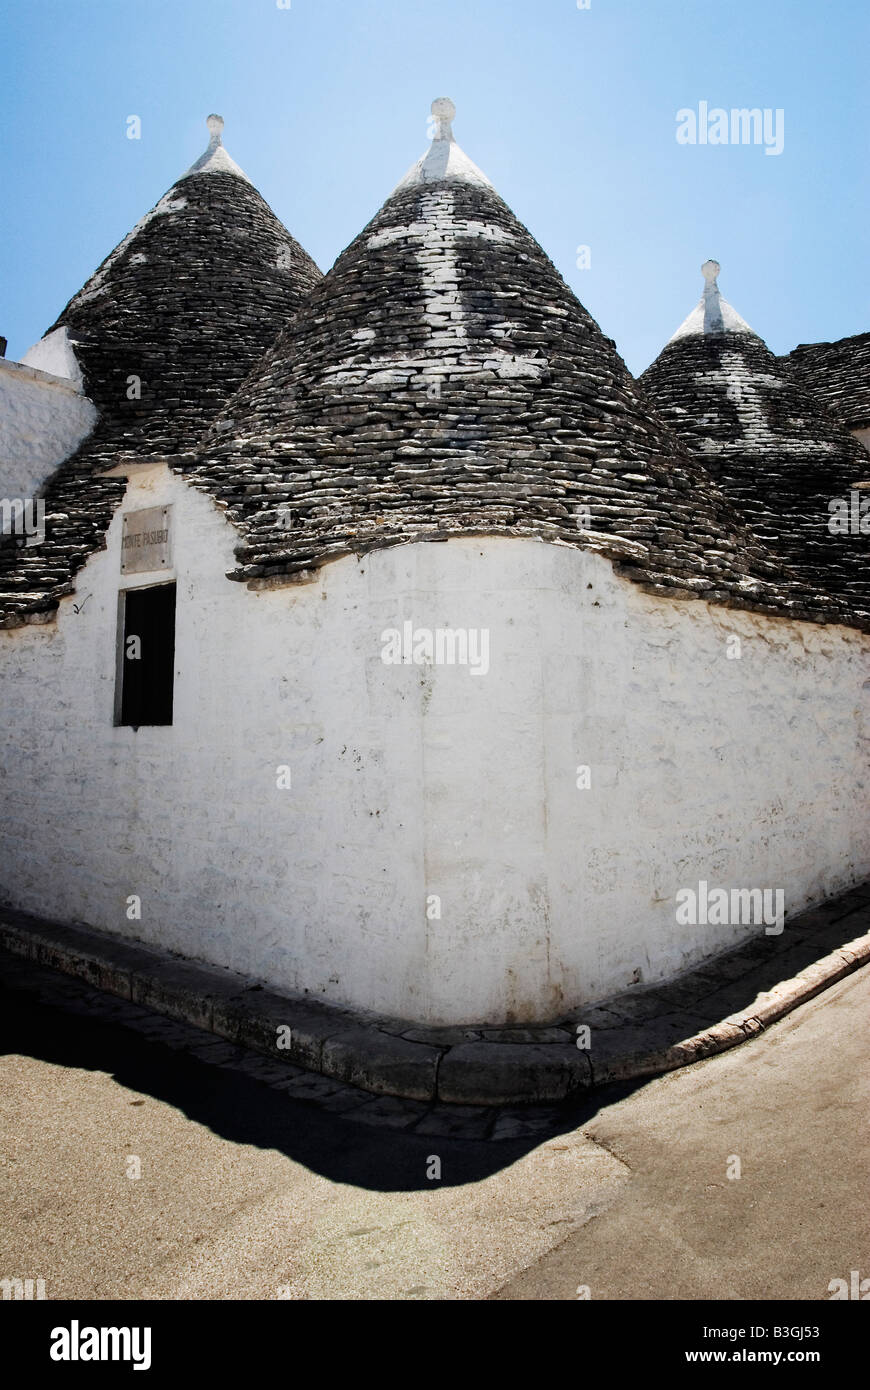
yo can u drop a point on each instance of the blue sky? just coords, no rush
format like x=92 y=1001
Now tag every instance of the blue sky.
x=571 y=113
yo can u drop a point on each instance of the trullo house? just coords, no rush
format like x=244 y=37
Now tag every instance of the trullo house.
x=383 y=639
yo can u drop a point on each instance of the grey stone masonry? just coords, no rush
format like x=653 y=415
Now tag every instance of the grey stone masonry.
x=838 y=375
x=186 y=305
x=442 y=379
x=773 y=450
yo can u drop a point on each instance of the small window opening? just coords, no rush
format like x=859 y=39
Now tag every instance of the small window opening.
x=147 y=656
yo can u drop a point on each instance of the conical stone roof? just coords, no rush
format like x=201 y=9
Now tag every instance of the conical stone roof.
x=778 y=456
x=163 y=332
x=443 y=379
x=838 y=375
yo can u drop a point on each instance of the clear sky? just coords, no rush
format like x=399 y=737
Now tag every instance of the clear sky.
x=570 y=112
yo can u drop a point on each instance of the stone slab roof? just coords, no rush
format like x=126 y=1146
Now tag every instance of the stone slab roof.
x=838 y=375
x=186 y=304
x=778 y=457
x=443 y=379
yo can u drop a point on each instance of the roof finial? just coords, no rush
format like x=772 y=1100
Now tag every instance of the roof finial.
x=443 y=159
x=713 y=321
x=443 y=112
x=215 y=159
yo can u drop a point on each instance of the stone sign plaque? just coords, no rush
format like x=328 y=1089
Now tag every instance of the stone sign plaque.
x=146 y=540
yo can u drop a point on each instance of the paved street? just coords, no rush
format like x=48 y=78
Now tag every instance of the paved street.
x=246 y=1192
x=793 y=1106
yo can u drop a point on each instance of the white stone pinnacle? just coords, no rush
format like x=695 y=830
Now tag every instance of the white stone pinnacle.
x=444 y=159
x=215 y=160
x=713 y=322
x=714 y=314
x=443 y=112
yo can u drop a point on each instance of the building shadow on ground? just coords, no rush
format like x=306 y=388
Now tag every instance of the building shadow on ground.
x=371 y=1155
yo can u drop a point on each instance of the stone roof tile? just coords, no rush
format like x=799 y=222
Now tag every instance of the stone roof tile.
x=777 y=456
x=184 y=306
x=838 y=375
x=442 y=379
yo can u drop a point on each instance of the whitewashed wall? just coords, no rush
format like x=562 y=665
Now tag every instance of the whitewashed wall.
x=409 y=782
x=43 y=419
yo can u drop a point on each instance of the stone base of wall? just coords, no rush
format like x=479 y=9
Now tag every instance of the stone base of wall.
x=632 y=1035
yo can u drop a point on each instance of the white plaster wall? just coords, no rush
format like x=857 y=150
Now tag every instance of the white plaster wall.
x=411 y=781
x=55 y=355
x=43 y=419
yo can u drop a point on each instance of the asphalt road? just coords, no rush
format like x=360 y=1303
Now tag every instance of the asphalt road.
x=245 y=1193
x=793 y=1106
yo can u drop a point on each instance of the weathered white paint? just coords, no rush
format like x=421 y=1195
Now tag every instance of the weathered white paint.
x=43 y=419
x=434 y=238
x=447 y=350
x=409 y=782
x=56 y=355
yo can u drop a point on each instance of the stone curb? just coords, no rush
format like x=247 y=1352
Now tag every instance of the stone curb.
x=459 y=1066
x=739 y=1027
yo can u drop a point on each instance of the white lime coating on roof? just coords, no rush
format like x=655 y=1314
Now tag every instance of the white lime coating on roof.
x=215 y=159
x=443 y=159
x=447 y=348
x=713 y=314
